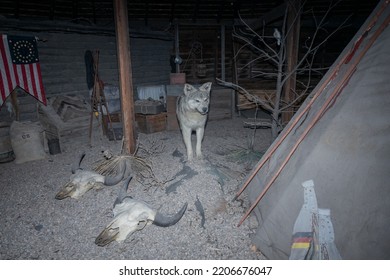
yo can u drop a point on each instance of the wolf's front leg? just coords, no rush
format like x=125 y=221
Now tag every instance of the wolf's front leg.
x=199 y=138
x=187 y=141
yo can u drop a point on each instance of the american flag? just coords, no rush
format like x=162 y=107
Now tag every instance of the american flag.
x=19 y=66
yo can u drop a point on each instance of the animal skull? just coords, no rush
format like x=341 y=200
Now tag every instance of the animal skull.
x=131 y=215
x=82 y=181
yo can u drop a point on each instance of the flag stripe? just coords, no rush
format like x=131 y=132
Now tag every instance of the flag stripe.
x=29 y=76
x=300 y=245
x=7 y=78
x=23 y=77
x=3 y=77
x=32 y=81
x=302 y=239
x=26 y=76
x=12 y=71
x=40 y=83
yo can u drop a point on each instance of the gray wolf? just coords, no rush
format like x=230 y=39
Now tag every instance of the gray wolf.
x=192 y=109
x=131 y=215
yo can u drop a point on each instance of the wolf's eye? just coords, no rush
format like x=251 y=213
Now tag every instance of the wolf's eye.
x=197 y=100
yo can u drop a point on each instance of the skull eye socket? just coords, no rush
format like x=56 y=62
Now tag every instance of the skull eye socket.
x=141 y=224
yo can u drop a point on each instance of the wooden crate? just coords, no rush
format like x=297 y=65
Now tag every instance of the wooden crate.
x=115 y=117
x=151 y=123
x=114 y=127
x=221 y=100
x=244 y=104
x=177 y=78
x=172 y=123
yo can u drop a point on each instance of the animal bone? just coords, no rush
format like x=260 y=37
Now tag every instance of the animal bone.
x=82 y=181
x=131 y=215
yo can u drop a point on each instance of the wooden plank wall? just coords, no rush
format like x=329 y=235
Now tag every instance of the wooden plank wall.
x=150 y=61
x=64 y=72
x=63 y=65
x=210 y=40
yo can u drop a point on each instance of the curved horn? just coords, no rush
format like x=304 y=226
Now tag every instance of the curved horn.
x=79 y=164
x=163 y=221
x=110 y=181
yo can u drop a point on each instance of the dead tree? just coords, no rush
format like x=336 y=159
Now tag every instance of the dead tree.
x=271 y=49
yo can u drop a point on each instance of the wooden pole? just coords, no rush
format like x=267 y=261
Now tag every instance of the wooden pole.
x=293 y=22
x=177 y=51
x=125 y=75
x=15 y=104
x=223 y=77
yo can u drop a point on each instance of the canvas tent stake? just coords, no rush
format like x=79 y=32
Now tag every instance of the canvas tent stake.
x=319 y=114
x=333 y=74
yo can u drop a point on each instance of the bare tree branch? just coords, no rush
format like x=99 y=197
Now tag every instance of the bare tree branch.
x=273 y=51
x=255 y=99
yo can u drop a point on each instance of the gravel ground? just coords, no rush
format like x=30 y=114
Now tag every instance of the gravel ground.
x=34 y=225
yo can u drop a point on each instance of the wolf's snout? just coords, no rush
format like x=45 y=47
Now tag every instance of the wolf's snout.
x=204 y=109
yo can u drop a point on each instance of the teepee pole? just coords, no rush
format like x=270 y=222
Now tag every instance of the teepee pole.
x=328 y=103
x=301 y=113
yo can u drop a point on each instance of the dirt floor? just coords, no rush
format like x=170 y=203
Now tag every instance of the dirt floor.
x=35 y=225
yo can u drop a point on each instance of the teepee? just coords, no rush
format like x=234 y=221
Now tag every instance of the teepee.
x=339 y=139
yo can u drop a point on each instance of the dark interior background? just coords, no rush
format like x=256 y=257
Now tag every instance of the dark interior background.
x=67 y=28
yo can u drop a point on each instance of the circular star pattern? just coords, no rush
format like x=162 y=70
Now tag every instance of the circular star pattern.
x=24 y=52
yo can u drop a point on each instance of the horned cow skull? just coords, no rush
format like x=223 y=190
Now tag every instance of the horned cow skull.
x=131 y=215
x=82 y=181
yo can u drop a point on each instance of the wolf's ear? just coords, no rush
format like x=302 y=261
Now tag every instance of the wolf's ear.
x=206 y=87
x=188 y=89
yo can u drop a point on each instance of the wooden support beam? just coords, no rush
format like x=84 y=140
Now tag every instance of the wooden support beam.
x=216 y=58
x=223 y=74
x=15 y=104
x=177 y=45
x=292 y=45
x=125 y=75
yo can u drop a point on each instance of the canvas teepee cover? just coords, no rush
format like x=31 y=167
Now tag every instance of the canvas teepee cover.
x=340 y=139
